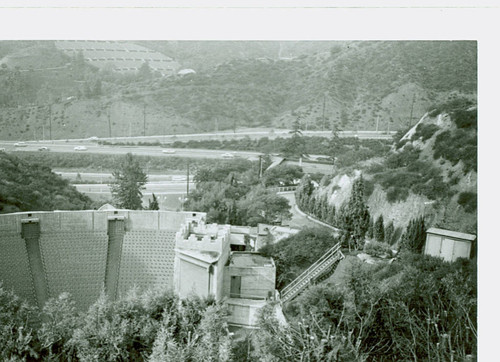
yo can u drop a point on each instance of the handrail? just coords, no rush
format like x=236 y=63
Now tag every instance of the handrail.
x=316 y=264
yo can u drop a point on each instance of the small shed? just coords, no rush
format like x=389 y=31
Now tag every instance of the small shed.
x=449 y=245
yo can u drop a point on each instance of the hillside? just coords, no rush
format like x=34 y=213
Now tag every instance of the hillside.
x=26 y=186
x=325 y=85
x=431 y=171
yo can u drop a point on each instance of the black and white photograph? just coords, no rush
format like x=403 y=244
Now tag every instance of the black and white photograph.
x=197 y=192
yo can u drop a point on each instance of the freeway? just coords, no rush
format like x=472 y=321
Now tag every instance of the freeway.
x=159 y=188
x=93 y=147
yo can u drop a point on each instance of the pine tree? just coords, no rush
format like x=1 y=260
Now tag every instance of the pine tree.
x=378 y=229
x=129 y=183
x=389 y=233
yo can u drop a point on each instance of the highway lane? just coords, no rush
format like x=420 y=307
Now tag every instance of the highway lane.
x=118 y=150
x=159 y=188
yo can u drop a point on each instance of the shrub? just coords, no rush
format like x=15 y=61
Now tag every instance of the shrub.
x=378 y=249
x=395 y=194
x=468 y=200
x=456 y=146
x=404 y=158
x=425 y=131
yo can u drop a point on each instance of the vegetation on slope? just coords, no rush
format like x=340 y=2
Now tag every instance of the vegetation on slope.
x=368 y=85
x=417 y=308
x=29 y=186
x=233 y=193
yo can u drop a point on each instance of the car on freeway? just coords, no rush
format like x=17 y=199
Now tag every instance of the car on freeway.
x=168 y=151
x=227 y=155
x=80 y=148
x=43 y=148
x=2 y=149
x=93 y=138
x=20 y=144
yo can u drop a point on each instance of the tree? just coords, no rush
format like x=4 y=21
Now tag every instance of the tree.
x=144 y=72
x=415 y=234
x=153 y=204
x=354 y=216
x=369 y=232
x=378 y=229
x=295 y=145
x=282 y=175
x=389 y=233
x=129 y=183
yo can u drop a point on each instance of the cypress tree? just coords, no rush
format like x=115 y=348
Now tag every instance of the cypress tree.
x=415 y=234
x=389 y=233
x=378 y=229
x=369 y=232
x=331 y=215
x=353 y=216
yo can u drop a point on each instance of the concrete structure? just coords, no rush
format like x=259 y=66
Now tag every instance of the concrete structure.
x=249 y=281
x=449 y=245
x=43 y=254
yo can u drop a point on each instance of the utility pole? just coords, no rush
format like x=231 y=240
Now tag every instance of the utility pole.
x=378 y=117
x=323 y=120
x=411 y=110
x=144 y=114
x=50 y=121
x=187 y=182
x=260 y=166
x=109 y=120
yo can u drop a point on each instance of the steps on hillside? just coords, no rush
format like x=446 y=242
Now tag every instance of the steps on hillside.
x=321 y=266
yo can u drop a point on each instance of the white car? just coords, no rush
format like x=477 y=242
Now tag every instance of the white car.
x=43 y=148
x=2 y=149
x=20 y=144
x=80 y=148
x=168 y=151
x=227 y=155
x=93 y=138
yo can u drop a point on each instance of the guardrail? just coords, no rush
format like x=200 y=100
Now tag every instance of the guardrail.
x=283 y=188
x=315 y=270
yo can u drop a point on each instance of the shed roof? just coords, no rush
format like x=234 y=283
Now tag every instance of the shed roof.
x=452 y=234
x=244 y=259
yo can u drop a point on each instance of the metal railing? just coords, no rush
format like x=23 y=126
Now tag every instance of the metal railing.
x=297 y=285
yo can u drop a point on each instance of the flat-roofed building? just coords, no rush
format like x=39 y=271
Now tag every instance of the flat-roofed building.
x=449 y=245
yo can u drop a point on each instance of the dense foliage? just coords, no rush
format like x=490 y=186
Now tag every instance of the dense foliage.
x=28 y=186
x=404 y=171
x=416 y=308
x=95 y=161
x=155 y=326
x=233 y=193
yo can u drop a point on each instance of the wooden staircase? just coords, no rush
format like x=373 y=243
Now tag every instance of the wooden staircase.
x=311 y=274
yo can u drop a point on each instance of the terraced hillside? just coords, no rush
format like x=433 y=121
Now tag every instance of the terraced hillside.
x=121 y=57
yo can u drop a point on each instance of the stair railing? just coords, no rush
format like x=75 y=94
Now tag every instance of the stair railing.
x=325 y=258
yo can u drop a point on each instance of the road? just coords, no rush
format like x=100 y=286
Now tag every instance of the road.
x=119 y=150
x=158 y=188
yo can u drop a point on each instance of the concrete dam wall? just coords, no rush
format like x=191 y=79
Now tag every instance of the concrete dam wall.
x=43 y=254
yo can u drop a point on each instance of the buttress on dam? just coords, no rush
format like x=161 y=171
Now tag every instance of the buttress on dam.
x=43 y=254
